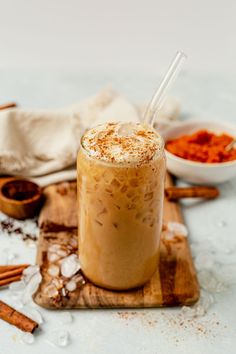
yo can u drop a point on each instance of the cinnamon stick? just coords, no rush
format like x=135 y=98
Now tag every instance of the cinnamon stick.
x=15 y=318
x=8 y=105
x=11 y=273
x=175 y=193
x=6 y=268
x=10 y=280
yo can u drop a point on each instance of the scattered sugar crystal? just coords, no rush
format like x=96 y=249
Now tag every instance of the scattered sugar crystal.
x=53 y=270
x=59 y=338
x=65 y=317
x=50 y=290
x=70 y=265
x=27 y=338
x=71 y=285
x=177 y=228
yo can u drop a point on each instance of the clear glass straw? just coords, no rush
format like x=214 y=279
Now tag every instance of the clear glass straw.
x=160 y=95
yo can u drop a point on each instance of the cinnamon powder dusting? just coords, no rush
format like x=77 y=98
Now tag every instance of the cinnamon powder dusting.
x=123 y=143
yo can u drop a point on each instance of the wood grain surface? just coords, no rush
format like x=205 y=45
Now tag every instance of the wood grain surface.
x=174 y=283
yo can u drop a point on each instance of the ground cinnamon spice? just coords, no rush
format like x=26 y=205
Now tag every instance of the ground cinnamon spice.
x=202 y=146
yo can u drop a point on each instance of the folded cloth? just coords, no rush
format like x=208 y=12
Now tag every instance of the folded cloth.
x=42 y=145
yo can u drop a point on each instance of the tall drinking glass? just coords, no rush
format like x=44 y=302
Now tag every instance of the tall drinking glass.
x=121 y=169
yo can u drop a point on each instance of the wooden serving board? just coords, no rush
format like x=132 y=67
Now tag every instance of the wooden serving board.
x=174 y=283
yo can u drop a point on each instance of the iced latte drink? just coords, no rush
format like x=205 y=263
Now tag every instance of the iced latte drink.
x=121 y=169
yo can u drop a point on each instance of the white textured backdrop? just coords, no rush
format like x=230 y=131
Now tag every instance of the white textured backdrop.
x=120 y=35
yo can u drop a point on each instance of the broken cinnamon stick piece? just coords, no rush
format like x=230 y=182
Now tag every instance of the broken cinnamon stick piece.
x=8 y=105
x=175 y=193
x=15 y=318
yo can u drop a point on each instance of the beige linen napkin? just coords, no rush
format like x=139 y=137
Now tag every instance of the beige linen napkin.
x=42 y=144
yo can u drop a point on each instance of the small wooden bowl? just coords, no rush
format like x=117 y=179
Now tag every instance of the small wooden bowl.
x=20 y=198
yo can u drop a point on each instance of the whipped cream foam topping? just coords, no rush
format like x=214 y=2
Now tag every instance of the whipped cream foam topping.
x=123 y=143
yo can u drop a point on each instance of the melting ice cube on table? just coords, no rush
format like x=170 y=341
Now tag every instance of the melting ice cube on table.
x=27 y=338
x=59 y=337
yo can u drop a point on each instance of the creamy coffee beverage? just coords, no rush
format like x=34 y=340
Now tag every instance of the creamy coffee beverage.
x=121 y=169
